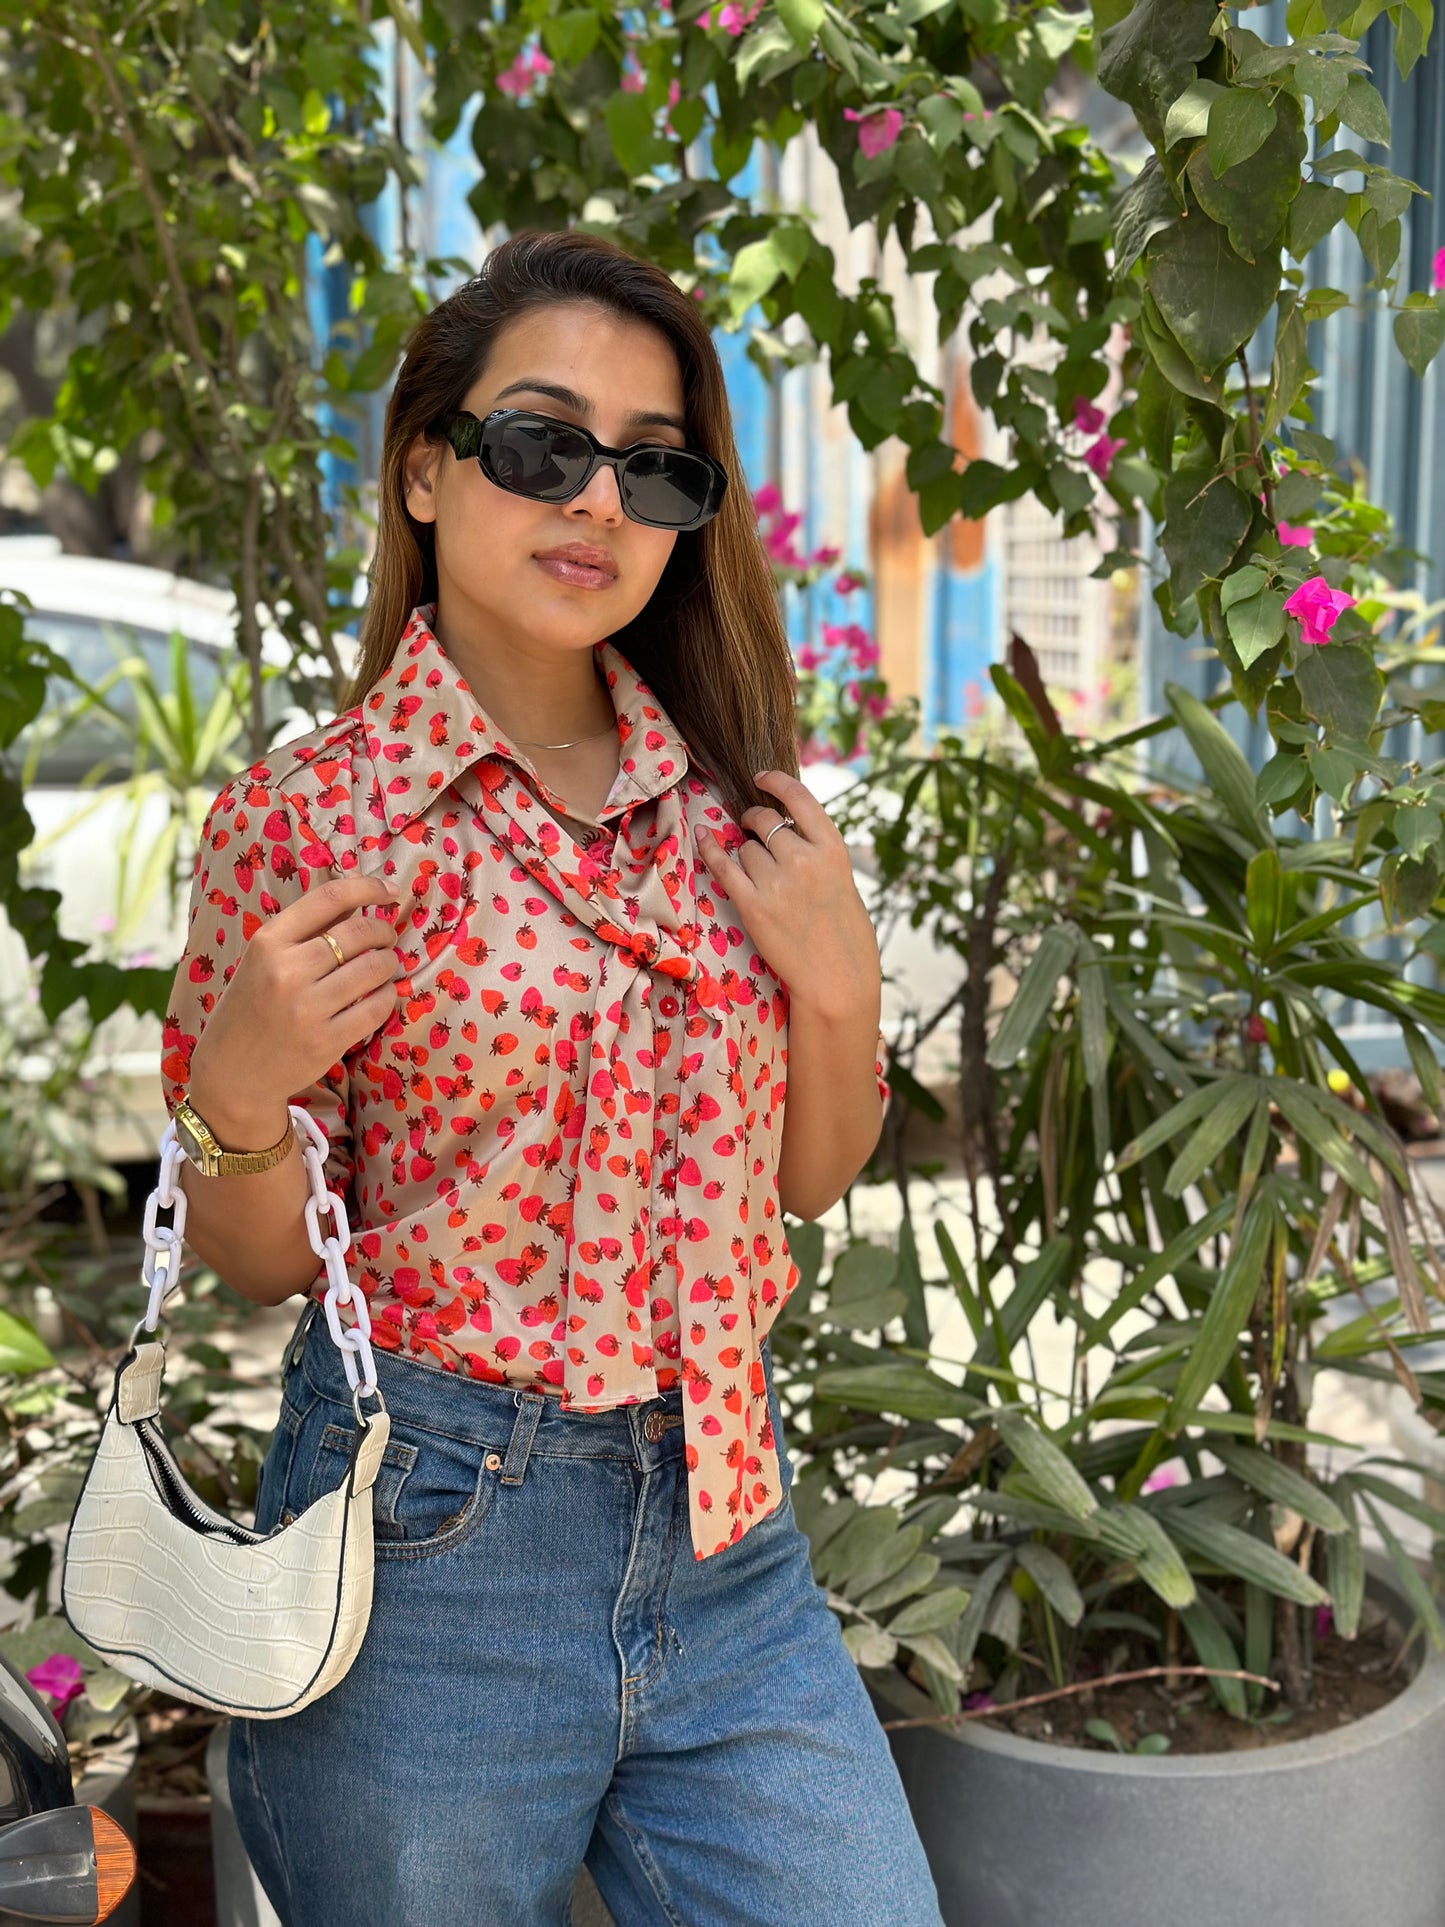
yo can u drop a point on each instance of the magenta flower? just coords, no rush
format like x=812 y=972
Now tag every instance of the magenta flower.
x=847 y=583
x=674 y=93
x=1324 y=1622
x=524 y=69
x=767 y=501
x=808 y=657
x=1317 y=607
x=823 y=558
x=1100 y=455
x=59 y=1677
x=1087 y=417
x=1437 y=272
x=631 y=82
x=1292 y=538
x=876 y=131
x=735 y=20
x=1159 y=1480
x=1254 y=1029
x=979 y=1702
x=876 y=706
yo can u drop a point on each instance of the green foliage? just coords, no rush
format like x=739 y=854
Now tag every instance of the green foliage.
x=1165 y=1093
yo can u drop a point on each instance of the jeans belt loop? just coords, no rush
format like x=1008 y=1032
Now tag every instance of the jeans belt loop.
x=529 y=1412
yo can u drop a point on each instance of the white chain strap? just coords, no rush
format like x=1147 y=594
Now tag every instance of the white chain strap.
x=161 y=1264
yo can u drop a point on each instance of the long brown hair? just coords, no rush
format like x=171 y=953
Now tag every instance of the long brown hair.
x=710 y=641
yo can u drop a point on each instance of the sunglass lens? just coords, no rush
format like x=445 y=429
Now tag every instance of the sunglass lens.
x=668 y=487
x=537 y=458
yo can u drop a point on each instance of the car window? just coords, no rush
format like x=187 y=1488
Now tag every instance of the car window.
x=93 y=645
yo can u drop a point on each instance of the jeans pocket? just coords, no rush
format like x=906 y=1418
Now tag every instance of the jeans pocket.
x=272 y=1494
x=431 y=1491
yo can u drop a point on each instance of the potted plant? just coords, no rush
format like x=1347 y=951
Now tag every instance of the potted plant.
x=1172 y=1159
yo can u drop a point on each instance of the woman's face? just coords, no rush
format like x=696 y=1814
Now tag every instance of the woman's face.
x=499 y=579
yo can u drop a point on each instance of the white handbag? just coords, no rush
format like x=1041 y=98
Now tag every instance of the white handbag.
x=175 y=1594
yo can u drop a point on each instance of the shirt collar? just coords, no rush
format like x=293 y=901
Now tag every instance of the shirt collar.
x=424 y=725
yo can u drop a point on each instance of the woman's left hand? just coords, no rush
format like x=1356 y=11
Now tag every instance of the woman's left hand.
x=798 y=900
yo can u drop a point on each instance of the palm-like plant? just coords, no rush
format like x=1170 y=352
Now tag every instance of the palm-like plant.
x=1167 y=1099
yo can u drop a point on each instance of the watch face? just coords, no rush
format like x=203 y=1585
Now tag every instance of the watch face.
x=188 y=1141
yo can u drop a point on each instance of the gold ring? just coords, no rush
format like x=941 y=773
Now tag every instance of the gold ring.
x=786 y=824
x=340 y=954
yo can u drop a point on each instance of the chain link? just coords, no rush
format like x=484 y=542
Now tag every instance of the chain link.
x=161 y=1263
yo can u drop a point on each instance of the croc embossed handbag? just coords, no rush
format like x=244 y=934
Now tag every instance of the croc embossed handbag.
x=175 y=1594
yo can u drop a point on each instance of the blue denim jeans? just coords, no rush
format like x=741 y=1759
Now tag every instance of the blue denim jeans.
x=550 y=1678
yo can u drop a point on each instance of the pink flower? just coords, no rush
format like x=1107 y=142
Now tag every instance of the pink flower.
x=979 y=1702
x=631 y=83
x=876 y=706
x=734 y=20
x=1317 y=607
x=1087 y=417
x=972 y=700
x=1324 y=1622
x=808 y=657
x=1437 y=272
x=523 y=70
x=1160 y=1480
x=674 y=93
x=823 y=558
x=767 y=501
x=1100 y=455
x=60 y=1677
x=1292 y=538
x=846 y=583
x=1254 y=1030
x=876 y=131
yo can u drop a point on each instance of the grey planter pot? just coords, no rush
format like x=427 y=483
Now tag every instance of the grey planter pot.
x=240 y=1898
x=1335 y=1831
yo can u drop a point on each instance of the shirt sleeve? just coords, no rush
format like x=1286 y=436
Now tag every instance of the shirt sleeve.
x=252 y=860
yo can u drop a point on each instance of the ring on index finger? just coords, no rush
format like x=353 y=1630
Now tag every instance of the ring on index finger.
x=786 y=824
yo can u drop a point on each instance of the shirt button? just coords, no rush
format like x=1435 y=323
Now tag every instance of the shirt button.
x=492 y=1461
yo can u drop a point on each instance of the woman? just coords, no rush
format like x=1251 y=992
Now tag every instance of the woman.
x=547 y=995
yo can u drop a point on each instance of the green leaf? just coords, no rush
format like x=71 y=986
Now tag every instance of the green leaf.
x=1240 y=1553
x=907 y=1391
x=1363 y=111
x=1228 y=1309
x=1314 y=211
x=758 y=266
x=1220 y=1125
x=802 y=18
x=931 y=1613
x=1411 y=1582
x=629 y=128
x=1282 y=778
x=1221 y=759
x=920 y=1572
x=1206 y=519
x=1144 y=209
x=569 y=37
x=1214 y=1647
x=1345 y=1566
x=870 y=1646
x=1280 y=1482
x=1135 y=1533
x=1188 y=117
x=1054 y=1581
x=1420 y=335
x=1341 y=687
x=1211 y=298
x=1256 y=624
x=1148 y=57
x=1333 y=771
x=1240 y=122
x=22 y=1349
x=1034 y=999
x=1252 y=198
x=1049 y=1468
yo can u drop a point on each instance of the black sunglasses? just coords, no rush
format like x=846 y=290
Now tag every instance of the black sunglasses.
x=549 y=460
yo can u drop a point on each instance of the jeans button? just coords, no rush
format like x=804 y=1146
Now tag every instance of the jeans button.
x=652 y=1427
x=492 y=1461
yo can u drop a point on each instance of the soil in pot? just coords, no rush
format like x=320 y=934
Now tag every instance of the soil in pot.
x=1349 y=1679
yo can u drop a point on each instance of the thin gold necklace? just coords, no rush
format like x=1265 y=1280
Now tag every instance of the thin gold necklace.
x=574 y=742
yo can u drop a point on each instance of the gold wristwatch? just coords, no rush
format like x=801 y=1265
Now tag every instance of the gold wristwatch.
x=198 y=1141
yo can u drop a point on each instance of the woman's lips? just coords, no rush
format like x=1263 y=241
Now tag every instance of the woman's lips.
x=580 y=574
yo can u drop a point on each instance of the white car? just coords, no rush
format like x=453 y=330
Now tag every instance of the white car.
x=90 y=611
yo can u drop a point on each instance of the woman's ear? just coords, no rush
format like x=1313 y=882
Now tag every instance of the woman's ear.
x=419 y=478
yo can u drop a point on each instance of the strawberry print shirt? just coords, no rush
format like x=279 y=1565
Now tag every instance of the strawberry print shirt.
x=559 y=1153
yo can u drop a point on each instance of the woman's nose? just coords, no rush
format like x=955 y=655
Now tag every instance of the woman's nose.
x=602 y=496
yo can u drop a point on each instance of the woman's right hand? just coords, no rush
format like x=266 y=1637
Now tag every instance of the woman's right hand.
x=290 y=1010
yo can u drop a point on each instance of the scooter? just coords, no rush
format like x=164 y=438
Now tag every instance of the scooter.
x=58 y=1861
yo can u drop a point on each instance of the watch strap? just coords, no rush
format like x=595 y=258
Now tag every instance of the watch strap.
x=221 y=1163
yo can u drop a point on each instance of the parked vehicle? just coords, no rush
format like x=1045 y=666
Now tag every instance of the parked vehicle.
x=58 y=1861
